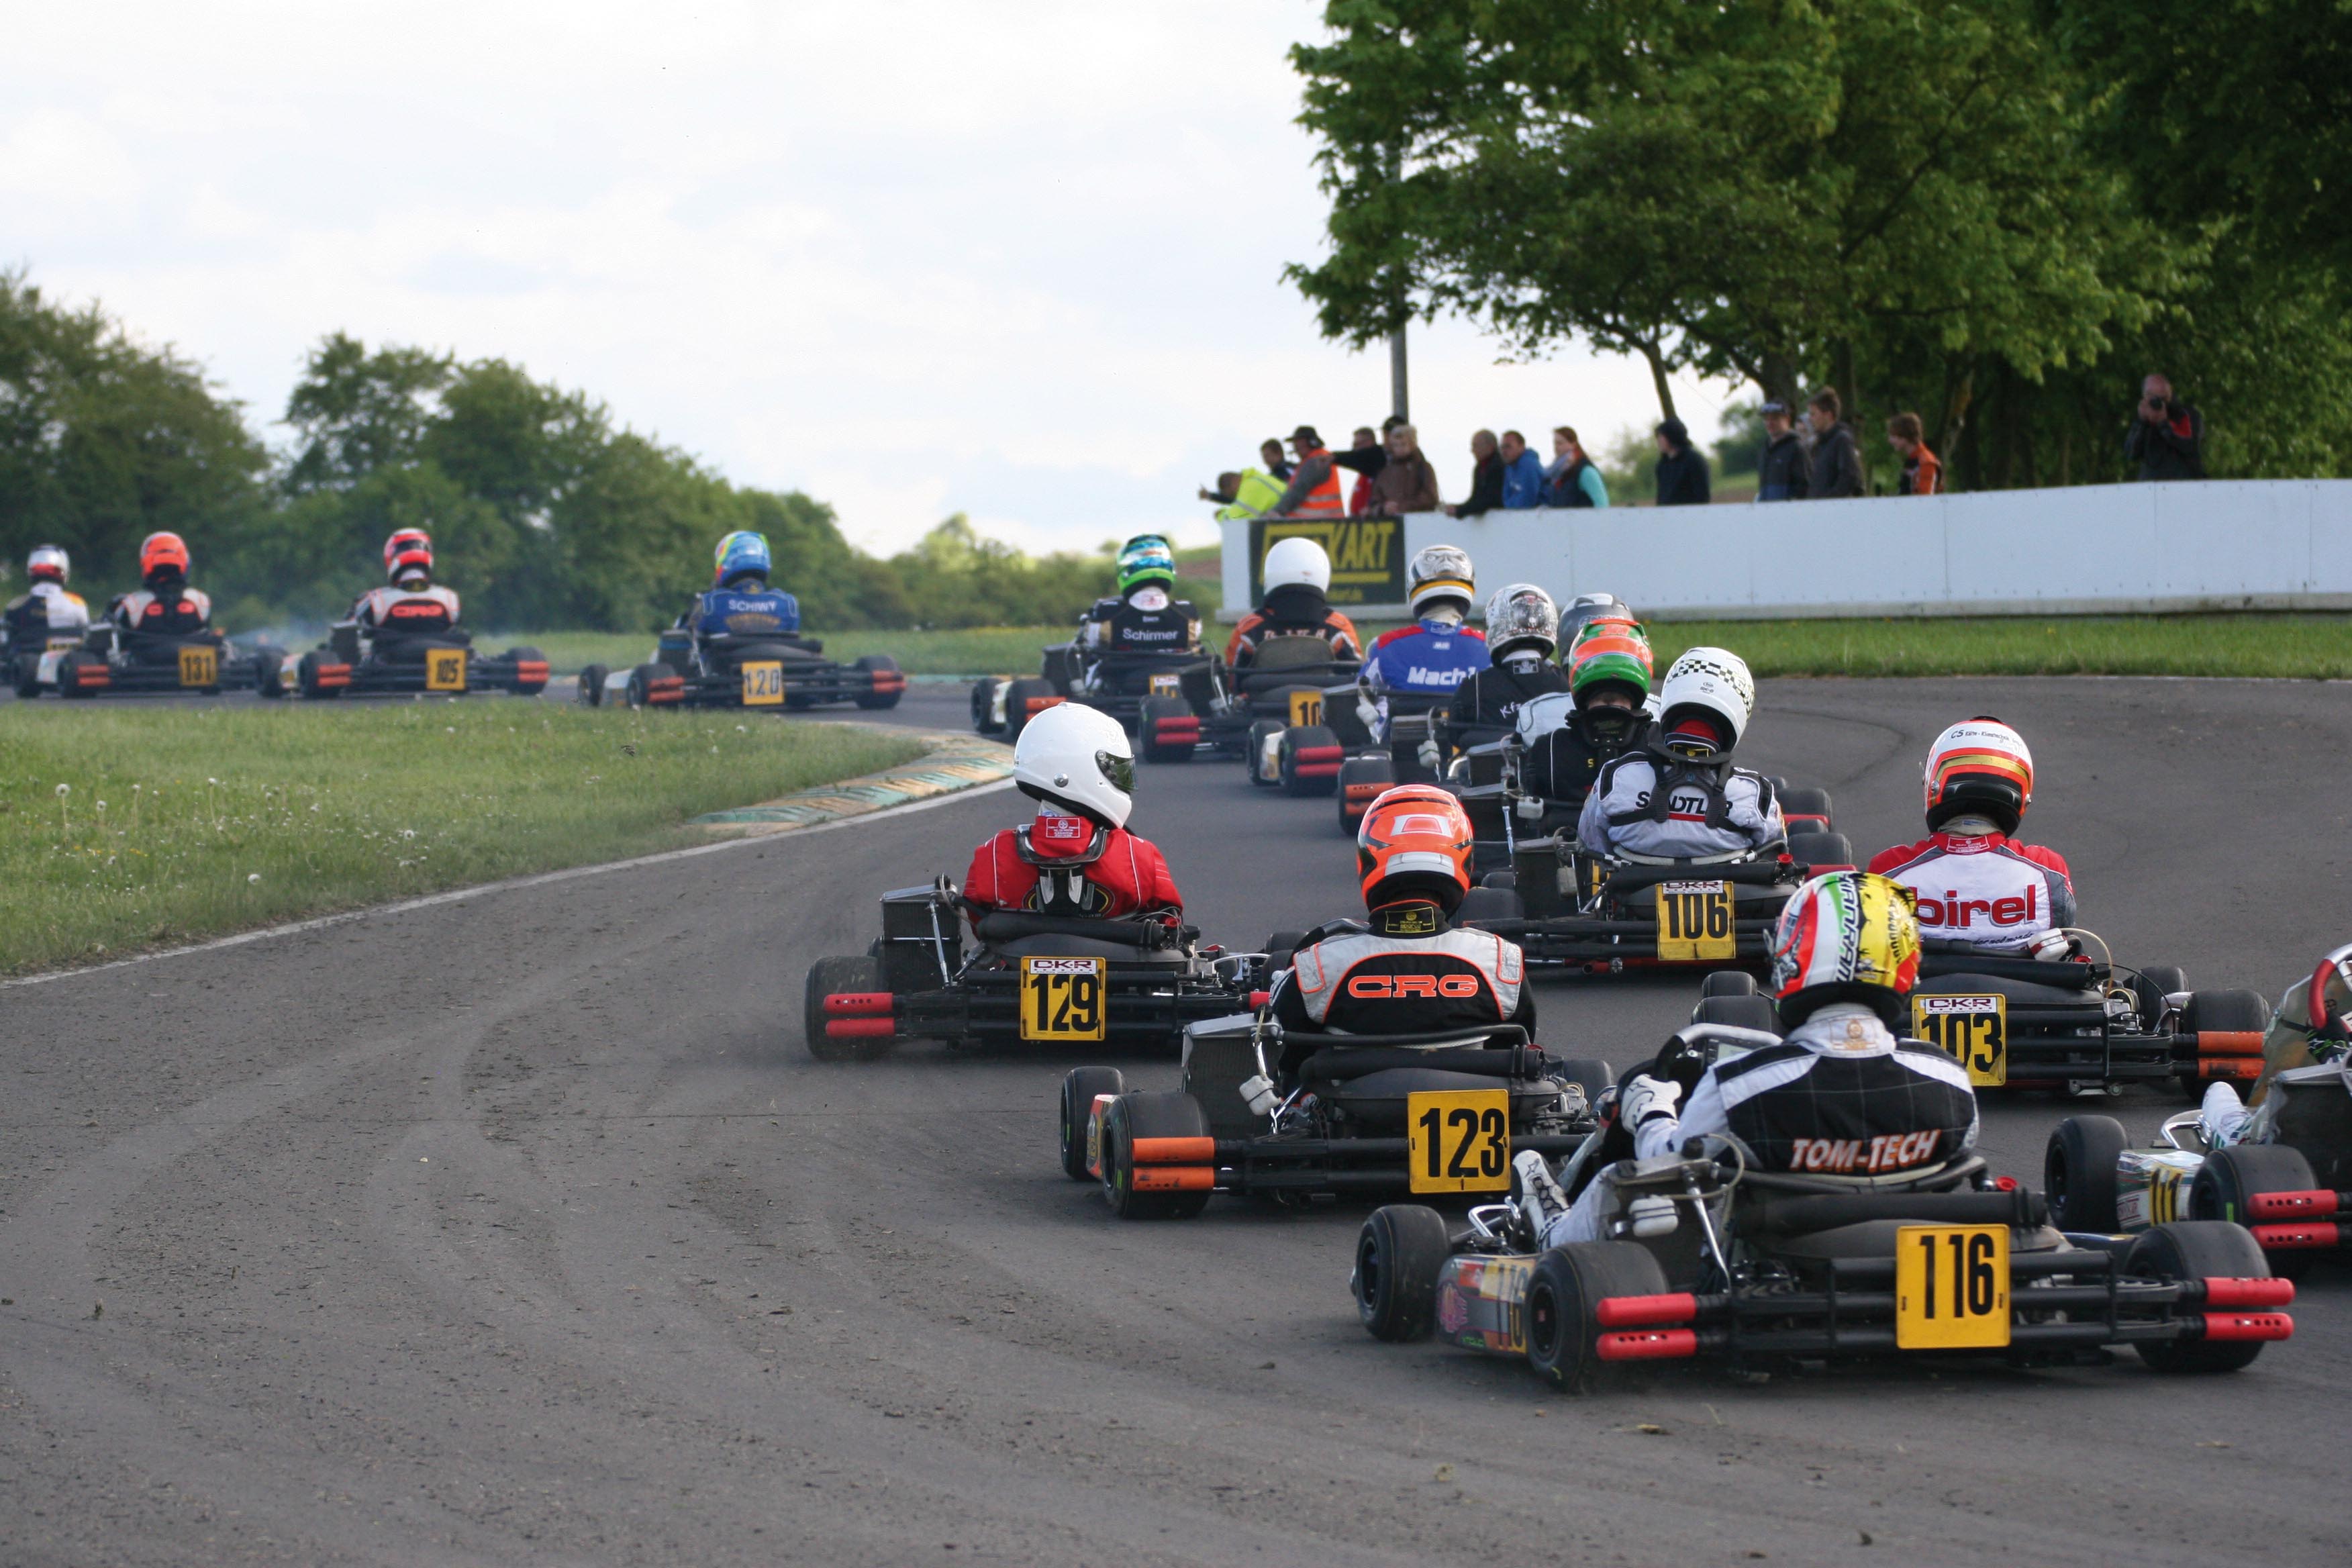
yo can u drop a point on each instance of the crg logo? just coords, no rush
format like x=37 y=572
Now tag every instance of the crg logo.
x=1404 y=987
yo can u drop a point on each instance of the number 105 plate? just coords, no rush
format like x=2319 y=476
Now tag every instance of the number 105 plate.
x=1458 y=1140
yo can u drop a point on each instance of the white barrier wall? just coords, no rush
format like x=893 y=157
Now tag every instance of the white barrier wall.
x=2237 y=545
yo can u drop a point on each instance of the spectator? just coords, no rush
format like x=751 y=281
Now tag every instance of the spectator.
x=1784 y=471
x=1314 y=489
x=1523 y=475
x=1574 y=480
x=1406 y=482
x=1269 y=452
x=1681 y=471
x=1250 y=493
x=2168 y=439
x=1923 y=472
x=1485 y=479
x=1837 y=461
x=1365 y=459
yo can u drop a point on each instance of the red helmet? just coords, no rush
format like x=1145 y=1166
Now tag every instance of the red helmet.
x=161 y=552
x=1415 y=844
x=408 y=550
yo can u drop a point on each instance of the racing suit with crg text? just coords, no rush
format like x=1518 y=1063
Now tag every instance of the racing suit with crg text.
x=1410 y=973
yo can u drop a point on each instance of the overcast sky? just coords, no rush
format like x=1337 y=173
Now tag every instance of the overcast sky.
x=1018 y=259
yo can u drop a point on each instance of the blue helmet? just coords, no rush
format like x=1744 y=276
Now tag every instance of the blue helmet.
x=740 y=554
x=1146 y=559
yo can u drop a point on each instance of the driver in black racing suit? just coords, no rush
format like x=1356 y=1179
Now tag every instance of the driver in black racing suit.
x=1146 y=616
x=1410 y=971
x=1840 y=1096
x=1522 y=630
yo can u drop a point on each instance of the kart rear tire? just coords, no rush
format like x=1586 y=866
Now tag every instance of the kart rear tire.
x=69 y=669
x=2197 y=1249
x=2237 y=1009
x=1750 y=1012
x=1079 y=1086
x=637 y=693
x=1561 y=1329
x=2157 y=982
x=29 y=677
x=1727 y=982
x=591 y=685
x=876 y=701
x=1399 y=1255
x=1017 y=697
x=1806 y=802
x=1820 y=850
x=1260 y=731
x=1146 y=729
x=2231 y=1177
x=983 y=705
x=306 y=678
x=522 y=654
x=1379 y=769
x=2078 y=1172
x=1164 y=1113
x=1285 y=760
x=829 y=976
x=269 y=674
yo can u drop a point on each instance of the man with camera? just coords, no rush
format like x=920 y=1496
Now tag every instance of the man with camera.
x=2167 y=440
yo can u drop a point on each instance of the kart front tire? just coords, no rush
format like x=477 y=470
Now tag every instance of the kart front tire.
x=591 y=685
x=832 y=977
x=638 y=693
x=2231 y=1178
x=1079 y=1088
x=2078 y=1172
x=1158 y=1114
x=269 y=675
x=1146 y=729
x=1294 y=783
x=983 y=705
x=1017 y=698
x=1563 y=1331
x=70 y=670
x=1400 y=1253
x=2197 y=1249
x=306 y=678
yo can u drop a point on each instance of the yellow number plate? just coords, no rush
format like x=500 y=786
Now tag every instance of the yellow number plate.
x=1459 y=1139
x=1951 y=1287
x=1166 y=686
x=445 y=669
x=1306 y=708
x=764 y=684
x=199 y=666
x=1971 y=1030
x=1062 y=999
x=1694 y=922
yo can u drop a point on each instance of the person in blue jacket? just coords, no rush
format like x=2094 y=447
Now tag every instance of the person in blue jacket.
x=1435 y=654
x=741 y=604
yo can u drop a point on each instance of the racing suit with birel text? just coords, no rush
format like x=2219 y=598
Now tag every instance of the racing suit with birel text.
x=1985 y=888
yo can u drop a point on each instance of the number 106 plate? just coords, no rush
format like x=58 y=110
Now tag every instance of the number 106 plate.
x=1458 y=1141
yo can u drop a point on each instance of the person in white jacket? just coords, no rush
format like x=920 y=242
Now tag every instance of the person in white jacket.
x=1679 y=795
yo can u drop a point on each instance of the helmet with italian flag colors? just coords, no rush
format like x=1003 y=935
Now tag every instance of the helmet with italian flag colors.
x=1980 y=768
x=1415 y=843
x=1849 y=936
x=1610 y=649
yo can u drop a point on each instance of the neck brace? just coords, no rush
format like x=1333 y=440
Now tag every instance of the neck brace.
x=1971 y=827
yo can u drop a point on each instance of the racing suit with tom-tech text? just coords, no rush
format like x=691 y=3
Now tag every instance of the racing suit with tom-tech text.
x=1654 y=803
x=1408 y=971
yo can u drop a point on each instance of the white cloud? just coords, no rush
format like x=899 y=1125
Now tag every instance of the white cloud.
x=1021 y=260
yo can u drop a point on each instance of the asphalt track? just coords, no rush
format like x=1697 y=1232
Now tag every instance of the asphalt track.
x=521 y=1229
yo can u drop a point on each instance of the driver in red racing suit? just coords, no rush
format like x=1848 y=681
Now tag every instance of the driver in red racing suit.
x=410 y=605
x=1076 y=858
x=1976 y=884
x=1411 y=970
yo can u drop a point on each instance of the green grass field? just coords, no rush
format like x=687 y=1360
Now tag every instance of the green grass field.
x=129 y=828
x=2302 y=646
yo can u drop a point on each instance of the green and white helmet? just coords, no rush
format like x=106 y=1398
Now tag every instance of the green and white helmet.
x=1146 y=559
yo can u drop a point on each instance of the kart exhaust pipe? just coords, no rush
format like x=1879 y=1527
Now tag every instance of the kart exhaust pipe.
x=2313 y=1204
x=1648 y=1344
x=2248 y=1326
x=2263 y=1292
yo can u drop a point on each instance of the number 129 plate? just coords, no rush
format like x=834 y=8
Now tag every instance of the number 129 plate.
x=1062 y=999
x=1458 y=1141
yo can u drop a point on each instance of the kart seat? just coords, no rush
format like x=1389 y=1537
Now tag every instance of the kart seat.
x=1015 y=935
x=1378 y=1100
x=2023 y=991
x=1292 y=653
x=394 y=649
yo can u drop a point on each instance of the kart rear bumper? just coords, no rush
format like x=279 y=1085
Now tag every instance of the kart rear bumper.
x=825 y=685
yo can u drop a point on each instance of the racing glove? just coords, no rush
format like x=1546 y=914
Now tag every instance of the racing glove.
x=1368 y=710
x=1647 y=1099
x=1428 y=754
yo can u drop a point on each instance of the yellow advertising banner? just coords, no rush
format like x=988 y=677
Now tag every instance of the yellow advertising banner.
x=1367 y=555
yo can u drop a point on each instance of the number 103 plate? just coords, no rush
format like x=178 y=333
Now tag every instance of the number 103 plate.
x=1458 y=1141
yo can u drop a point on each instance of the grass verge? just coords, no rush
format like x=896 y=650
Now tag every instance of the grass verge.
x=186 y=822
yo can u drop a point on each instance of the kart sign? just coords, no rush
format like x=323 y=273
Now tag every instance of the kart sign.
x=1062 y=999
x=445 y=669
x=1694 y=922
x=1367 y=555
x=199 y=666
x=764 y=683
x=1971 y=1030
x=1951 y=1287
x=1458 y=1141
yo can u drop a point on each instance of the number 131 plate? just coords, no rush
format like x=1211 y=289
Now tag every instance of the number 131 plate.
x=1458 y=1141
x=1062 y=999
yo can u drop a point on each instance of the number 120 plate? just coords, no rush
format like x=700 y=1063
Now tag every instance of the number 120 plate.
x=1062 y=999
x=1458 y=1141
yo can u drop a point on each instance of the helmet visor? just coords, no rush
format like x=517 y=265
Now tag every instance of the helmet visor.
x=1118 y=769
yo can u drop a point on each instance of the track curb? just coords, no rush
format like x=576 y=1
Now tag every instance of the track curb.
x=955 y=762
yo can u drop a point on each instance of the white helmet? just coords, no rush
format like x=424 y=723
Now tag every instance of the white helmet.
x=48 y=563
x=1297 y=562
x=1522 y=612
x=1077 y=757
x=1980 y=768
x=1712 y=680
x=1439 y=573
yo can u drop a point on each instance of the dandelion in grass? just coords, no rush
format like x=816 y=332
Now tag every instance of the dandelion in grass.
x=251 y=878
x=65 y=811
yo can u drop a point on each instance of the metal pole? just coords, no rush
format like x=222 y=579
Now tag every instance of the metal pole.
x=1399 y=404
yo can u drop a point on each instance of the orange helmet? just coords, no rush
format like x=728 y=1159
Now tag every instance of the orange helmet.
x=161 y=552
x=408 y=549
x=1415 y=844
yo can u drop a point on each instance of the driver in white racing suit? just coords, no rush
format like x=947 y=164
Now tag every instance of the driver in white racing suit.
x=1679 y=796
x=2312 y=1026
x=1840 y=1096
x=410 y=605
x=46 y=613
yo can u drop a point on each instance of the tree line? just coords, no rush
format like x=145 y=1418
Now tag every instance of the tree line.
x=544 y=512
x=1997 y=213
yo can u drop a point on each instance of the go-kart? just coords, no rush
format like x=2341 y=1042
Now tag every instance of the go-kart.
x=1323 y=745
x=1372 y=1114
x=358 y=661
x=1031 y=979
x=1268 y=714
x=2288 y=1178
x=1602 y=914
x=1118 y=684
x=108 y=660
x=1708 y=1256
x=763 y=670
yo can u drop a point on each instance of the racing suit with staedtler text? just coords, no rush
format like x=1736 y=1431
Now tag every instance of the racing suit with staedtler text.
x=1653 y=804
